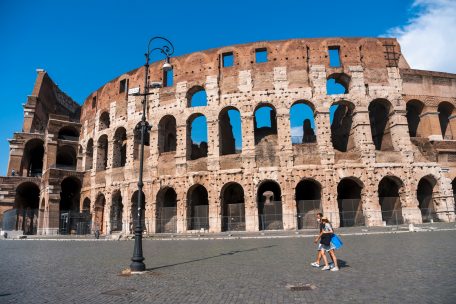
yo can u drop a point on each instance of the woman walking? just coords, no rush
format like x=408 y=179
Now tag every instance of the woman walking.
x=326 y=245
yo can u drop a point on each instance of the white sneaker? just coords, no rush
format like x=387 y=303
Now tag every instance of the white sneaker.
x=331 y=265
x=326 y=268
x=335 y=269
x=315 y=264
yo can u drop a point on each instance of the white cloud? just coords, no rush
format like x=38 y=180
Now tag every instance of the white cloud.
x=296 y=131
x=428 y=41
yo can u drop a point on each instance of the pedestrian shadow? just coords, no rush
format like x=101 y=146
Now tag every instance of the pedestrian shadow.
x=233 y=252
x=342 y=264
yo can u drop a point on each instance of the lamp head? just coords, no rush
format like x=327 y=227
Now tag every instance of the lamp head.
x=167 y=66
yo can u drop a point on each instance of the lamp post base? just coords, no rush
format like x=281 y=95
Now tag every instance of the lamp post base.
x=137 y=266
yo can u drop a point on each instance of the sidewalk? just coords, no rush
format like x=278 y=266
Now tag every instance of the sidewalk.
x=361 y=230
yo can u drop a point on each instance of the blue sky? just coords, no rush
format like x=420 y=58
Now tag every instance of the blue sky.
x=84 y=44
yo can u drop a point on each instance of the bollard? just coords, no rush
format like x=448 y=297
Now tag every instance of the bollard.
x=411 y=228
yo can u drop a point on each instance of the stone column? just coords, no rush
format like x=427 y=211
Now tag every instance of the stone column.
x=430 y=124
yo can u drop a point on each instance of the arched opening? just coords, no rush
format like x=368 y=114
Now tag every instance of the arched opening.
x=302 y=123
x=414 y=110
x=379 y=116
x=83 y=227
x=116 y=212
x=230 y=132
x=99 y=222
x=102 y=153
x=86 y=205
x=349 y=202
x=265 y=124
x=269 y=199
x=120 y=148
x=196 y=97
x=453 y=186
x=196 y=137
x=68 y=133
x=70 y=191
x=337 y=83
x=198 y=208
x=445 y=110
x=390 y=201
x=137 y=142
x=308 y=203
x=425 y=198
x=134 y=211
x=66 y=158
x=24 y=216
x=233 y=207
x=32 y=161
x=166 y=211
x=167 y=134
x=89 y=155
x=341 y=119
x=104 y=121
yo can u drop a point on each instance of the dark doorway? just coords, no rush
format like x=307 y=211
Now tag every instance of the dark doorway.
x=269 y=199
x=424 y=195
x=233 y=208
x=116 y=212
x=198 y=211
x=308 y=198
x=166 y=211
x=390 y=201
x=349 y=201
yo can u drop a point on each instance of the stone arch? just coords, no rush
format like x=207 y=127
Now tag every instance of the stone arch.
x=349 y=202
x=197 y=208
x=116 y=212
x=104 y=121
x=337 y=83
x=137 y=142
x=68 y=133
x=89 y=155
x=196 y=97
x=414 y=110
x=26 y=204
x=167 y=134
x=269 y=202
x=341 y=120
x=380 y=111
x=265 y=122
x=99 y=221
x=233 y=207
x=308 y=202
x=390 y=195
x=86 y=205
x=66 y=157
x=119 y=148
x=230 y=131
x=302 y=122
x=446 y=110
x=134 y=211
x=102 y=153
x=425 y=196
x=32 y=160
x=166 y=211
x=196 y=130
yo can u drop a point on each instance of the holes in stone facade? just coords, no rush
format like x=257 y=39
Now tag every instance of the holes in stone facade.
x=349 y=202
x=120 y=148
x=134 y=211
x=269 y=200
x=445 y=110
x=334 y=56
x=261 y=55
x=198 y=208
x=414 y=110
x=32 y=160
x=116 y=211
x=66 y=157
x=196 y=137
x=167 y=134
x=265 y=123
x=379 y=116
x=390 y=201
x=233 y=207
x=308 y=202
x=227 y=59
x=104 y=121
x=94 y=102
x=424 y=194
x=341 y=114
x=102 y=153
x=89 y=155
x=166 y=211
x=196 y=97
x=68 y=133
x=230 y=131
x=302 y=123
x=98 y=218
x=337 y=83
x=69 y=195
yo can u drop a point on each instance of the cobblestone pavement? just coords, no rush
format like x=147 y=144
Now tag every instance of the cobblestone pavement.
x=386 y=268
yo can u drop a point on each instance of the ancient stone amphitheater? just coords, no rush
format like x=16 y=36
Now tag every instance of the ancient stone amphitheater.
x=378 y=147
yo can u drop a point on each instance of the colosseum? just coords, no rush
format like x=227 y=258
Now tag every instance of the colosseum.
x=250 y=137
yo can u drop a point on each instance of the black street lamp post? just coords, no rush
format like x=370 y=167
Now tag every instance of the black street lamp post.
x=137 y=264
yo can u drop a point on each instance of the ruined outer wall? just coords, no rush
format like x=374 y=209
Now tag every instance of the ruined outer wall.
x=296 y=70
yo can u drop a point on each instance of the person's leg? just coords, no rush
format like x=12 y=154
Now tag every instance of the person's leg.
x=318 y=257
x=323 y=255
x=334 y=258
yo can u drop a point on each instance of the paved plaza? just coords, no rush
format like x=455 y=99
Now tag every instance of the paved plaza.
x=383 y=268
